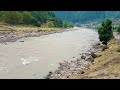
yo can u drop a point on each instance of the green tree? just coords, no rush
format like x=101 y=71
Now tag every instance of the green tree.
x=27 y=17
x=65 y=24
x=13 y=17
x=58 y=22
x=1 y=16
x=105 y=31
x=41 y=16
x=36 y=22
x=71 y=25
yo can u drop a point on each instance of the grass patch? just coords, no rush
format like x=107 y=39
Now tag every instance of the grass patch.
x=19 y=28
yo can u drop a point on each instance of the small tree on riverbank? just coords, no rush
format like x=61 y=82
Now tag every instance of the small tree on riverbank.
x=105 y=31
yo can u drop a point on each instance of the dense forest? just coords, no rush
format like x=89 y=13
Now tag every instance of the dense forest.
x=36 y=18
x=57 y=18
x=88 y=16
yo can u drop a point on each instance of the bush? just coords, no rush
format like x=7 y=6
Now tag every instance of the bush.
x=13 y=17
x=50 y=25
x=105 y=31
x=67 y=24
x=58 y=23
x=38 y=24
x=71 y=25
x=35 y=22
x=27 y=17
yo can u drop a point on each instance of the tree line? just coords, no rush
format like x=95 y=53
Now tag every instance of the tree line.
x=88 y=16
x=36 y=18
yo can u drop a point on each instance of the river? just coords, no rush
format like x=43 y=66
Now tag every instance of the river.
x=36 y=56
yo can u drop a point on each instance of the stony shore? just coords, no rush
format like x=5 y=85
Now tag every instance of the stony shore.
x=12 y=36
x=66 y=70
x=100 y=62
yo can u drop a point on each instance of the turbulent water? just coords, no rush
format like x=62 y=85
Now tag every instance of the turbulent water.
x=36 y=56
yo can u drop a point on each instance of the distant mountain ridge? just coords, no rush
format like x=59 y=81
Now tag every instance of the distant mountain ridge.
x=88 y=16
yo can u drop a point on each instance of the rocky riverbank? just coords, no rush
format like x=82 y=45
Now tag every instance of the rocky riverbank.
x=12 y=36
x=67 y=70
x=99 y=63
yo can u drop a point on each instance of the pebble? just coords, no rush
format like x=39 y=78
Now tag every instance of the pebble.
x=21 y=41
x=82 y=72
x=73 y=57
x=34 y=74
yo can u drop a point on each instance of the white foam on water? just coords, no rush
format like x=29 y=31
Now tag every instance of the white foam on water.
x=52 y=64
x=29 y=60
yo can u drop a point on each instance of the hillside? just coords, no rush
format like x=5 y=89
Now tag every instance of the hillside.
x=35 y=18
x=88 y=16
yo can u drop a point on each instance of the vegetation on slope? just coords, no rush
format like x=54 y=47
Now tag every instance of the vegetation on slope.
x=88 y=16
x=107 y=65
x=36 y=18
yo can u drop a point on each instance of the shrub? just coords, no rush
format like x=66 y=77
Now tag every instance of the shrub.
x=50 y=25
x=105 y=31
x=13 y=17
x=27 y=17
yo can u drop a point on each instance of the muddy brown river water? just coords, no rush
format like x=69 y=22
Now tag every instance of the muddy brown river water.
x=36 y=56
